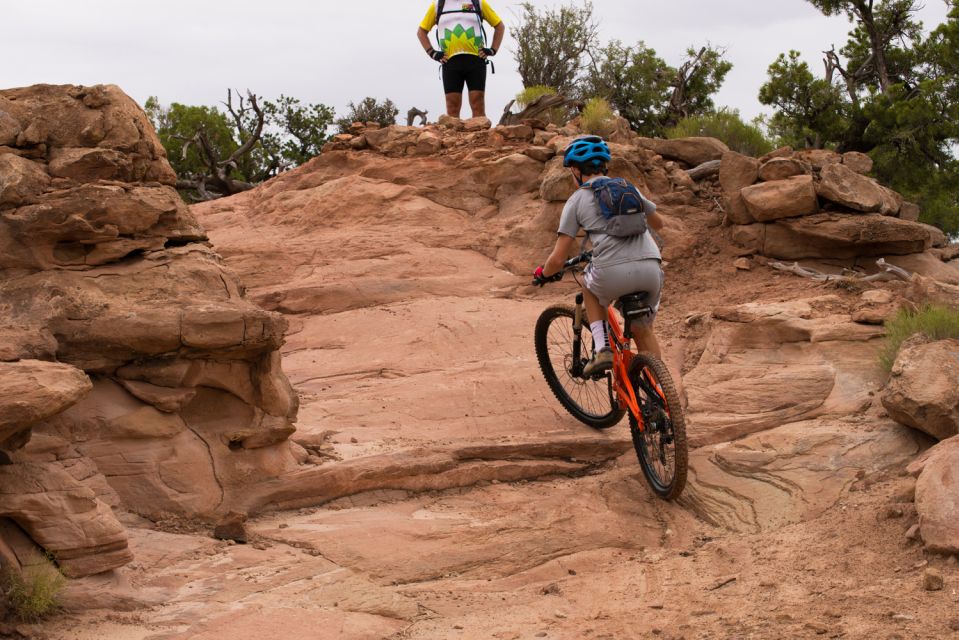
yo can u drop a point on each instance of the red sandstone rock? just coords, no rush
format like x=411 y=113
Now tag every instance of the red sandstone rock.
x=923 y=390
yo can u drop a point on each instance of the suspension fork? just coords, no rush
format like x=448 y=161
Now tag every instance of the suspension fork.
x=577 y=337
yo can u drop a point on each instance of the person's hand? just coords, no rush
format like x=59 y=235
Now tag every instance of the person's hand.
x=438 y=56
x=487 y=52
x=539 y=279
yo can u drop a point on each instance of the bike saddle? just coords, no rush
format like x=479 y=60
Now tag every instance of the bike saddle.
x=634 y=305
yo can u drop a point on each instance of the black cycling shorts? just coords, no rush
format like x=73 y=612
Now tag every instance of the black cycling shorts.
x=465 y=69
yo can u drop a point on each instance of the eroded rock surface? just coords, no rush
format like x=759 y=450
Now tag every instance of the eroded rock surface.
x=168 y=396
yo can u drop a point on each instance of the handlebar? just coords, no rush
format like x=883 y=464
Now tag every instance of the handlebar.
x=586 y=256
x=569 y=265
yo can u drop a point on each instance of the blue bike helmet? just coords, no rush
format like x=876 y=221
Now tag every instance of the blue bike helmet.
x=587 y=149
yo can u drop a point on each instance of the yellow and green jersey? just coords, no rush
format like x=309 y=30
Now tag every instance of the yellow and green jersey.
x=459 y=29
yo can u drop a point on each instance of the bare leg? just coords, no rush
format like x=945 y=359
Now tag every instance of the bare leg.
x=646 y=340
x=478 y=103
x=454 y=102
x=594 y=310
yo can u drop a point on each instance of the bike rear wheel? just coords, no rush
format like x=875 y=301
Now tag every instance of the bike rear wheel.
x=589 y=401
x=661 y=446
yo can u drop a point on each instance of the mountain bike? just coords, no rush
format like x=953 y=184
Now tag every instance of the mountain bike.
x=637 y=385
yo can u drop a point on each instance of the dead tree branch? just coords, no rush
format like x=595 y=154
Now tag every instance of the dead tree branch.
x=888 y=272
x=705 y=170
x=539 y=106
x=416 y=113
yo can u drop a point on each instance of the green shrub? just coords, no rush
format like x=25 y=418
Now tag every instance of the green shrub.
x=369 y=110
x=727 y=126
x=938 y=323
x=35 y=592
x=597 y=117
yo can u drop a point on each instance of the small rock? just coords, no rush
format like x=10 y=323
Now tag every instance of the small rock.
x=743 y=264
x=894 y=511
x=551 y=590
x=232 y=527
x=932 y=580
x=354 y=440
x=902 y=617
x=954 y=624
x=913 y=532
x=571 y=572
x=456 y=626
x=818 y=628
x=541 y=634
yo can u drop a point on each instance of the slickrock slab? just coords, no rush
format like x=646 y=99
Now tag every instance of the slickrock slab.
x=792 y=473
x=830 y=235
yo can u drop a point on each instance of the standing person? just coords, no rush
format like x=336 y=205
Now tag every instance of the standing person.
x=620 y=265
x=463 y=50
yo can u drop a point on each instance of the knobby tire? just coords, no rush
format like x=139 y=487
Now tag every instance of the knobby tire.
x=589 y=401
x=665 y=433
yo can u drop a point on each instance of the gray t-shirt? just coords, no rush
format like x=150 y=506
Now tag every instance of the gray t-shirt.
x=582 y=211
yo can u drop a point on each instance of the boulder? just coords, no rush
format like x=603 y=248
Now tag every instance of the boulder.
x=937 y=497
x=451 y=122
x=522 y=132
x=428 y=143
x=736 y=172
x=909 y=211
x=9 y=129
x=818 y=158
x=875 y=307
x=31 y=391
x=90 y=131
x=781 y=169
x=21 y=180
x=557 y=184
x=837 y=236
x=923 y=390
x=480 y=123
x=781 y=199
x=840 y=184
x=891 y=201
x=541 y=153
x=693 y=151
x=858 y=162
x=63 y=517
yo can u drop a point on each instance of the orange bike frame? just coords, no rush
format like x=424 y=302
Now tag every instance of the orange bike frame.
x=622 y=356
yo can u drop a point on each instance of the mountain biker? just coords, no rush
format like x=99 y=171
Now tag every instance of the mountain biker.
x=620 y=266
x=463 y=50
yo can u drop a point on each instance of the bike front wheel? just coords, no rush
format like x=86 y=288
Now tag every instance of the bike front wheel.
x=588 y=400
x=661 y=444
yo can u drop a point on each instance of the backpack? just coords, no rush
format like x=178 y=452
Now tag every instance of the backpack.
x=622 y=207
x=477 y=9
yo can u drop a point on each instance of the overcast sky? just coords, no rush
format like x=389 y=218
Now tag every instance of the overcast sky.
x=190 y=51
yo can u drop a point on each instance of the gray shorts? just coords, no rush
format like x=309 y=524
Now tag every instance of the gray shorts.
x=611 y=282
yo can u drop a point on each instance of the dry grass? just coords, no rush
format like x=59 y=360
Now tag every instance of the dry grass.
x=938 y=323
x=34 y=593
